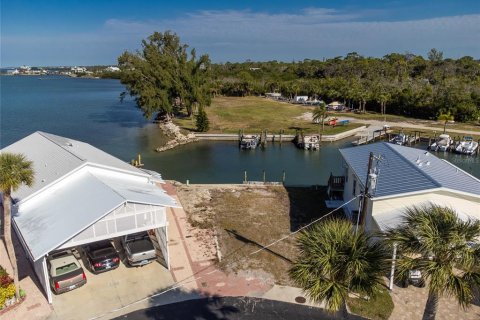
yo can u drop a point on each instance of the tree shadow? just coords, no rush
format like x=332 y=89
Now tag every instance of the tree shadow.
x=223 y=308
x=307 y=203
x=241 y=238
x=126 y=117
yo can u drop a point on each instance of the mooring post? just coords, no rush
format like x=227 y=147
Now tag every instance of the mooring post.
x=281 y=132
x=263 y=176
x=283 y=177
x=245 y=176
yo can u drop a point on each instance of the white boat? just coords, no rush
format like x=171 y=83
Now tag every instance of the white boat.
x=249 y=141
x=442 y=143
x=467 y=146
x=399 y=139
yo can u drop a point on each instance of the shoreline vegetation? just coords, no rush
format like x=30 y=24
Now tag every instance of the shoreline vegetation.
x=252 y=115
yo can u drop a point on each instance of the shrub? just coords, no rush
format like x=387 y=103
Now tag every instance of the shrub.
x=202 y=122
x=3 y=272
x=5 y=294
x=5 y=281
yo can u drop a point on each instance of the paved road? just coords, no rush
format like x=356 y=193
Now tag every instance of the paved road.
x=230 y=308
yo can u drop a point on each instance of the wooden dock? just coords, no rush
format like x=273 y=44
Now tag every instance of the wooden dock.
x=370 y=134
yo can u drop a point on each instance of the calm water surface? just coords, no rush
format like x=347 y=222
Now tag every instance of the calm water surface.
x=90 y=110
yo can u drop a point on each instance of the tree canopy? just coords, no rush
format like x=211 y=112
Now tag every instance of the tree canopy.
x=334 y=260
x=434 y=240
x=409 y=84
x=164 y=77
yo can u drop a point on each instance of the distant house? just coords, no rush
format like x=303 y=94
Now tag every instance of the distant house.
x=112 y=69
x=273 y=95
x=300 y=98
x=78 y=69
x=13 y=72
x=405 y=177
x=335 y=105
x=254 y=69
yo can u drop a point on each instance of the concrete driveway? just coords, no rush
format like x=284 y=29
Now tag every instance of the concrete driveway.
x=111 y=290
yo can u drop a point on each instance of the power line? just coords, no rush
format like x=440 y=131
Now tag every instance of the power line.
x=184 y=281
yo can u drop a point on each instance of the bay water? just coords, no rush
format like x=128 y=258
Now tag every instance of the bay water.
x=90 y=110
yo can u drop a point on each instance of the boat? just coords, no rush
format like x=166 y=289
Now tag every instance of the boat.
x=310 y=142
x=400 y=139
x=249 y=141
x=442 y=143
x=467 y=146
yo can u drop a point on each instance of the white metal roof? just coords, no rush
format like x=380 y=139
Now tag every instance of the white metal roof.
x=75 y=185
x=50 y=219
x=54 y=157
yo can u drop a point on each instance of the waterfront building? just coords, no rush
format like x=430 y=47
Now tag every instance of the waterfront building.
x=335 y=105
x=402 y=177
x=82 y=195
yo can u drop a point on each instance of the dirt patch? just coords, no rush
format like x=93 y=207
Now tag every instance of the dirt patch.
x=246 y=218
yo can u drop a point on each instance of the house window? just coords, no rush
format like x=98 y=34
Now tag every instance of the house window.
x=354 y=187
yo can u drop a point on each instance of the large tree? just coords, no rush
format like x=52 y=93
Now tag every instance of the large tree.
x=15 y=170
x=334 y=260
x=163 y=77
x=434 y=240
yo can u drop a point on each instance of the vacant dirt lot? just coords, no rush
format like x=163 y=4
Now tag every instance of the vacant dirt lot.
x=245 y=218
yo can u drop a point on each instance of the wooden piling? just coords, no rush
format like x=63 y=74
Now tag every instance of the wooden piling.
x=263 y=176
x=283 y=177
x=245 y=176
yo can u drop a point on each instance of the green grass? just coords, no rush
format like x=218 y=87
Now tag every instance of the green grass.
x=378 y=307
x=255 y=114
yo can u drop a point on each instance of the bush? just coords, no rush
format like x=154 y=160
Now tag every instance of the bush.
x=5 y=294
x=3 y=272
x=202 y=122
x=5 y=281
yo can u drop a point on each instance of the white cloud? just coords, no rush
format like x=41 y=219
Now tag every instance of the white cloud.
x=233 y=35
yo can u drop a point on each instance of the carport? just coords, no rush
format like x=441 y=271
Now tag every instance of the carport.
x=83 y=195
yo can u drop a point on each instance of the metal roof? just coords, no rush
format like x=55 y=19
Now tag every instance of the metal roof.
x=403 y=170
x=82 y=199
x=53 y=157
x=75 y=185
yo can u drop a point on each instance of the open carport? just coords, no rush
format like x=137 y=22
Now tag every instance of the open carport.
x=83 y=195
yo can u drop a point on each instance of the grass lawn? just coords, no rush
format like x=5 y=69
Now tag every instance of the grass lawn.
x=254 y=114
x=378 y=307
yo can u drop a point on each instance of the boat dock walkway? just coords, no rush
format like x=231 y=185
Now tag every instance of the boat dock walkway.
x=368 y=135
x=276 y=137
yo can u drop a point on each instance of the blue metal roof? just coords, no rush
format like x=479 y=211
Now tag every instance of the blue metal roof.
x=403 y=169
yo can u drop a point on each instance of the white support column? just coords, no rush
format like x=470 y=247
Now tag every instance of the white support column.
x=392 y=271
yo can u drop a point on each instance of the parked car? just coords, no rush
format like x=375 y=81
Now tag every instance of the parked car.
x=415 y=278
x=138 y=249
x=65 y=272
x=102 y=256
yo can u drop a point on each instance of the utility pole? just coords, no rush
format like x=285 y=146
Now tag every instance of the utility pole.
x=365 y=192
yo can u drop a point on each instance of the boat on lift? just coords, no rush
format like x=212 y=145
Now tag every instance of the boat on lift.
x=443 y=143
x=467 y=146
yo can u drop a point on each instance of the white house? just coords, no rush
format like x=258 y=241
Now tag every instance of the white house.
x=112 y=69
x=335 y=105
x=78 y=69
x=406 y=177
x=82 y=195
x=300 y=98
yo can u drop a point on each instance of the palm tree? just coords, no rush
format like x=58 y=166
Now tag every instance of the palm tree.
x=445 y=117
x=15 y=170
x=320 y=113
x=334 y=260
x=434 y=240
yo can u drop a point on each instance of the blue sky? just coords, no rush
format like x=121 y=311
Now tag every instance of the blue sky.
x=73 y=32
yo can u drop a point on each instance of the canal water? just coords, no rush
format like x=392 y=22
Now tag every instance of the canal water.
x=90 y=110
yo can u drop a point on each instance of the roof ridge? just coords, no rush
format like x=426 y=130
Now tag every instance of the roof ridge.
x=45 y=135
x=391 y=147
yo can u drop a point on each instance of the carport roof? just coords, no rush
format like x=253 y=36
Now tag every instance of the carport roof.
x=48 y=221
